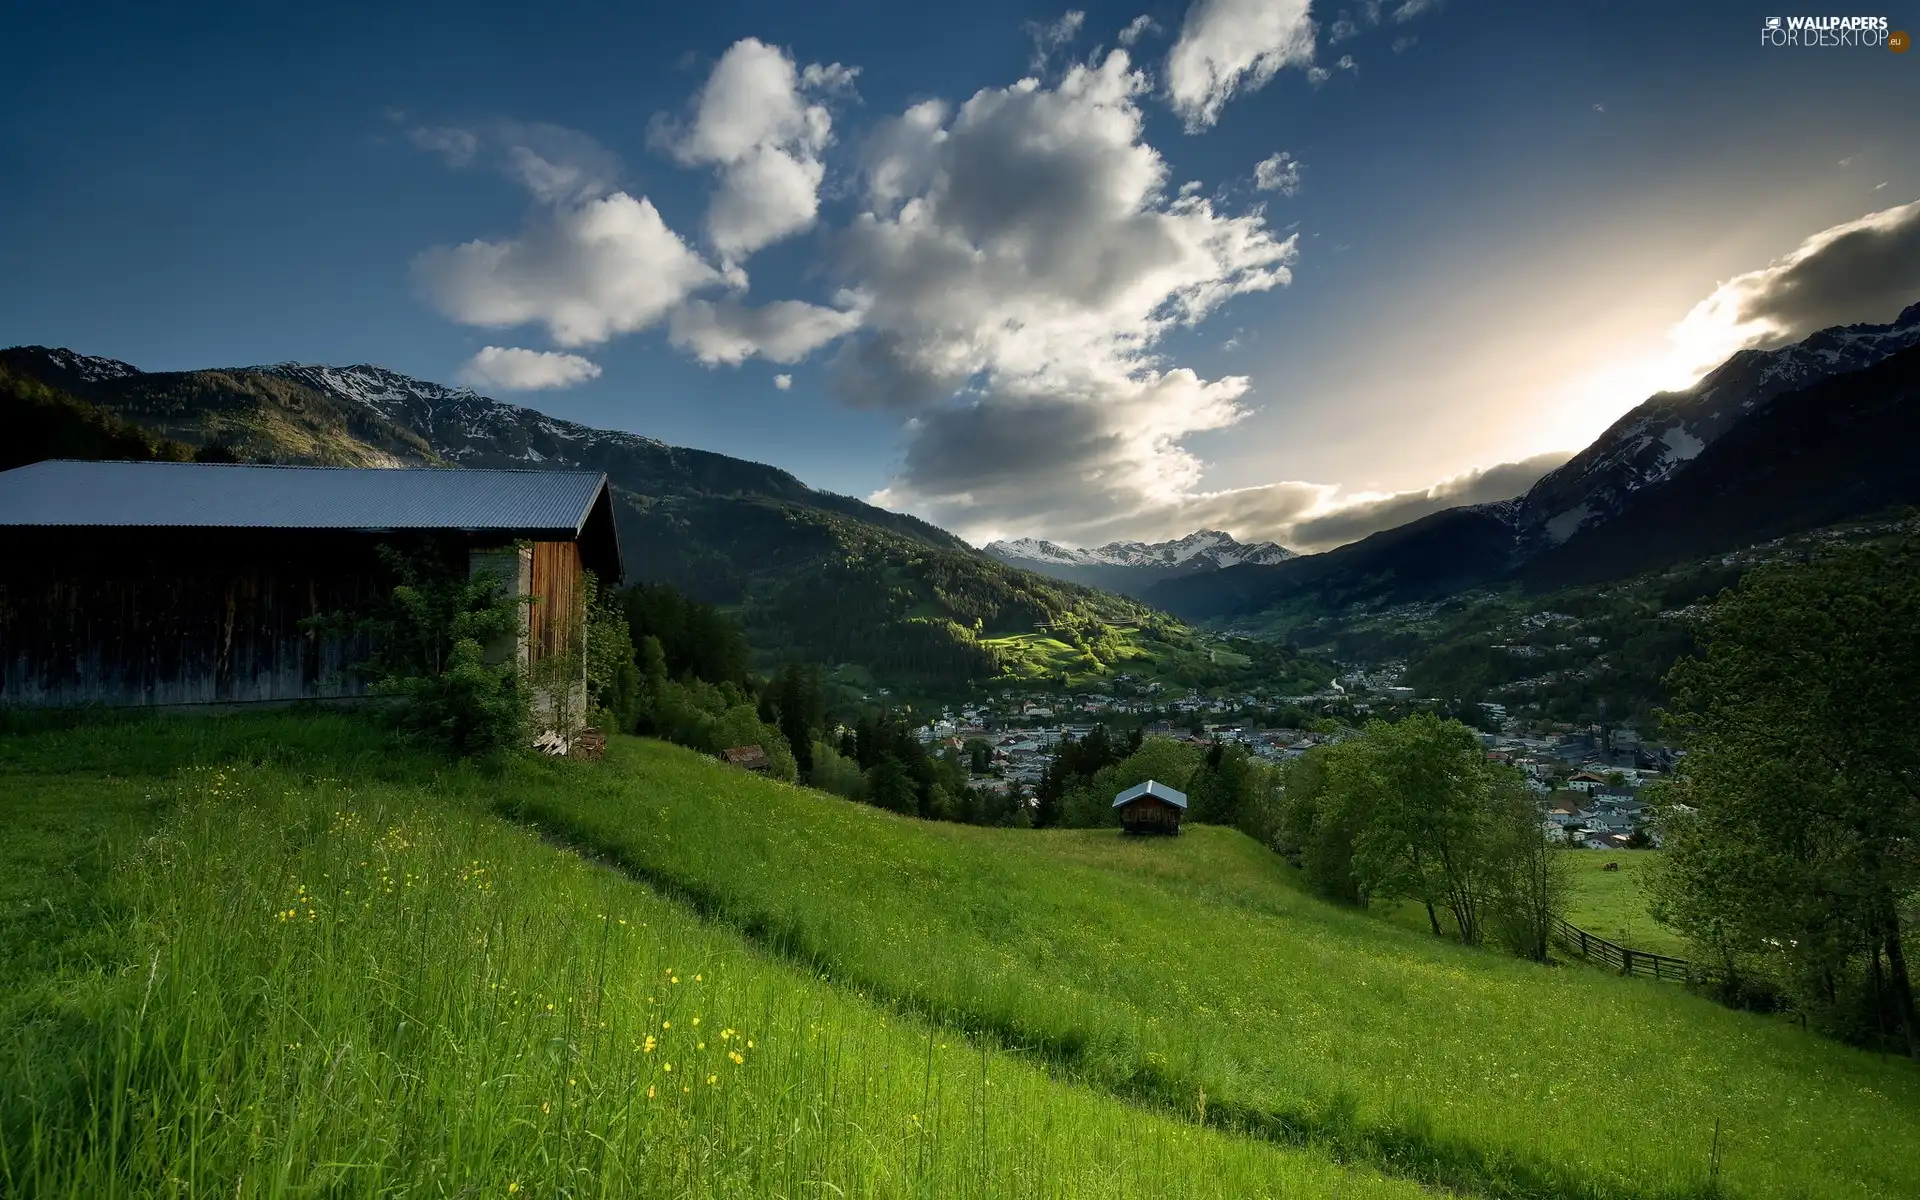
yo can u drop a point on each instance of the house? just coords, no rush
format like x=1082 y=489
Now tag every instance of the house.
x=1151 y=807
x=1585 y=781
x=164 y=583
x=1564 y=815
x=747 y=758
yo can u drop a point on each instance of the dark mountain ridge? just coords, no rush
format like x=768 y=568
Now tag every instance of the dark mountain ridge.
x=1566 y=517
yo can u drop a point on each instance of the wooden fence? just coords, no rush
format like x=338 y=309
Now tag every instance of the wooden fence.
x=1623 y=959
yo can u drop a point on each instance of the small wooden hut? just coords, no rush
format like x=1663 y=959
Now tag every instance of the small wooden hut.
x=1151 y=807
x=747 y=758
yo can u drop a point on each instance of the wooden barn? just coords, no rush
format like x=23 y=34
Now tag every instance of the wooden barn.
x=1150 y=807
x=162 y=583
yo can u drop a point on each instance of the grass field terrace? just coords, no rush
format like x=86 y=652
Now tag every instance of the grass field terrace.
x=279 y=954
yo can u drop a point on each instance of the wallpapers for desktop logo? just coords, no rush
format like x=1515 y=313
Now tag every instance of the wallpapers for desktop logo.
x=1843 y=32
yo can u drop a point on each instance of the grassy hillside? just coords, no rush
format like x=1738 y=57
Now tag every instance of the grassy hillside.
x=1161 y=970
x=311 y=961
x=279 y=955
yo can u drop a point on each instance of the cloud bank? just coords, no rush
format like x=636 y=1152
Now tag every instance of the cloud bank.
x=1020 y=260
x=1862 y=270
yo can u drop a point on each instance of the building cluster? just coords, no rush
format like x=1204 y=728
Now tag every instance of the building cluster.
x=1587 y=780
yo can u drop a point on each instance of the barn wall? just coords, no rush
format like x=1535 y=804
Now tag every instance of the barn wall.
x=121 y=620
x=556 y=589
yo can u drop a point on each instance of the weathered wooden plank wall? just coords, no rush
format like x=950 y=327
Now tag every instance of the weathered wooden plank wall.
x=173 y=620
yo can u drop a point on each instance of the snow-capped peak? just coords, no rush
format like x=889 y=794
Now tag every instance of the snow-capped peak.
x=1201 y=550
x=86 y=366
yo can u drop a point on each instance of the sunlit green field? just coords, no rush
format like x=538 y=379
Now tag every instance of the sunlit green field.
x=279 y=955
x=1613 y=904
x=1163 y=969
x=336 y=973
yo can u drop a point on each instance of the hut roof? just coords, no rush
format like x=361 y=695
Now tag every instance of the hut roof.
x=1154 y=788
x=753 y=758
x=536 y=505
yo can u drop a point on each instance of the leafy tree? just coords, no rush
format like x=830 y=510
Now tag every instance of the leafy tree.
x=979 y=756
x=1529 y=880
x=834 y=772
x=889 y=786
x=1421 y=784
x=1318 y=825
x=1792 y=822
x=1075 y=762
x=614 y=676
x=1412 y=810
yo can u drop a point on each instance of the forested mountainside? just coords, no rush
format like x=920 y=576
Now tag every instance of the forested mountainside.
x=813 y=574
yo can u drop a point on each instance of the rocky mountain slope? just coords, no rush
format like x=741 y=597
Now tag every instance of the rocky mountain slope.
x=813 y=574
x=1132 y=567
x=1658 y=439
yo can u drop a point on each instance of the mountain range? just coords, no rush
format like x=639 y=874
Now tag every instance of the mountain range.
x=811 y=574
x=1770 y=442
x=1132 y=567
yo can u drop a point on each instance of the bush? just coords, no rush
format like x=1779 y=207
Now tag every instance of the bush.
x=432 y=642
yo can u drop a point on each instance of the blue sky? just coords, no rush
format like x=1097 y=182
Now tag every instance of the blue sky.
x=998 y=304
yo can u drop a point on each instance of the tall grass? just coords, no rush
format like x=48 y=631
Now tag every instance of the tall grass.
x=1161 y=970
x=315 y=965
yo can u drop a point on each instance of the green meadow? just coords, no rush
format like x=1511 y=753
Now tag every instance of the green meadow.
x=285 y=957
x=280 y=955
x=1613 y=903
x=1159 y=970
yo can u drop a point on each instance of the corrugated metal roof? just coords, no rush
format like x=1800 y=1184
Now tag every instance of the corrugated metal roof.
x=1154 y=788
x=160 y=495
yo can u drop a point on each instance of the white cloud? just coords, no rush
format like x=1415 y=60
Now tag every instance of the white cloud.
x=1020 y=261
x=1278 y=172
x=457 y=146
x=554 y=163
x=783 y=382
x=1861 y=270
x=589 y=263
x=1231 y=46
x=758 y=122
x=784 y=331
x=1050 y=37
x=587 y=271
x=515 y=370
x=1411 y=9
x=1136 y=29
